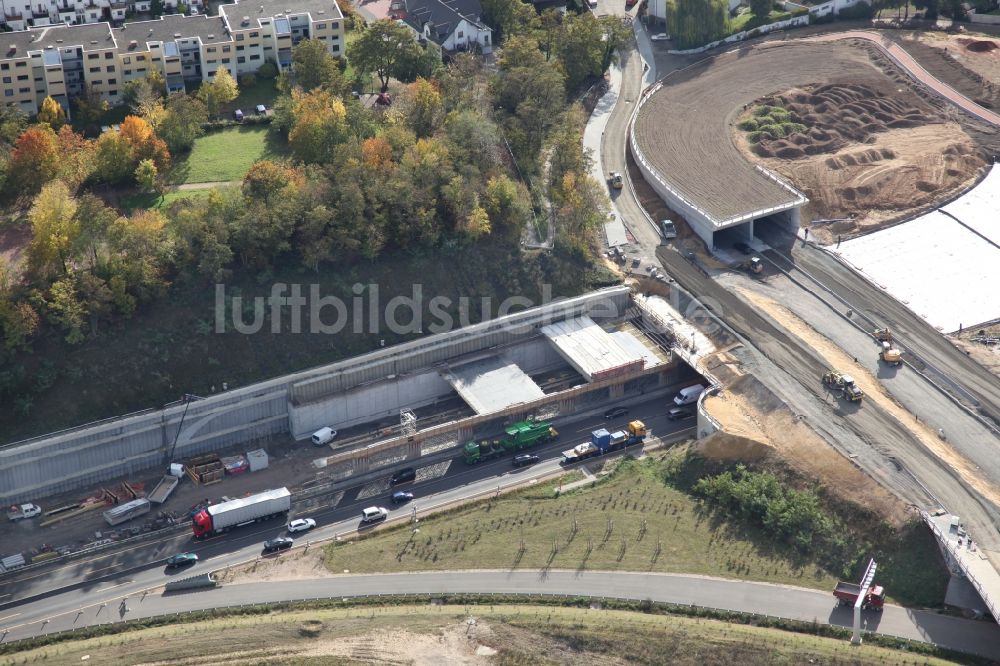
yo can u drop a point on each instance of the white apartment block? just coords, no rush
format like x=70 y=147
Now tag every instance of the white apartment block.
x=59 y=60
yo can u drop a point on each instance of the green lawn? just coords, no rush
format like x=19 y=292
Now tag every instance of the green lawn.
x=227 y=154
x=746 y=20
x=262 y=92
x=633 y=521
x=133 y=202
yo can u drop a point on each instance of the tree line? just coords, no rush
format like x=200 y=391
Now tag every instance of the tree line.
x=446 y=165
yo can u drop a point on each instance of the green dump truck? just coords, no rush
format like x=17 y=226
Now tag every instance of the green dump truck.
x=517 y=436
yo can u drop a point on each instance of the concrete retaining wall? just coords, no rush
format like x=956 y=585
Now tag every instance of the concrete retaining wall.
x=991 y=19
x=84 y=457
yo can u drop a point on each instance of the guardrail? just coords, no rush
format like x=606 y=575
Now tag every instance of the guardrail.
x=992 y=604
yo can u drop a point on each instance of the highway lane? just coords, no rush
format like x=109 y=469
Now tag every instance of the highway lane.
x=762 y=598
x=134 y=565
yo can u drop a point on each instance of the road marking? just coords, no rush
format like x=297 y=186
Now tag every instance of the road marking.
x=9 y=616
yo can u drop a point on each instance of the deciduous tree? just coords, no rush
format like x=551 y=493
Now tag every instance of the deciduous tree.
x=146 y=174
x=52 y=113
x=34 y=160
x=181 y=122
x=697 y=22
x=423 y=107
x=219 y=91
x=65 y=309
x=54 y=228
x=320 y=124
x=314 y=67
x=379 y=48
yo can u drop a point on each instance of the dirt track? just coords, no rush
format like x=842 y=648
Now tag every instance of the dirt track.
x=683 y=129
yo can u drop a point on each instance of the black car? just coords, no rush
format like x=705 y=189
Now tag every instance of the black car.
x=615 y=412
x=279 y=543
x=679 y=413
x=743 y=247
x=405 y=475
x=524 y=459
x=401 y=497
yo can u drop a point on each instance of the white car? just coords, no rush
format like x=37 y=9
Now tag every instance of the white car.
x=662 y=37
x=301 y=525
x=373 y=514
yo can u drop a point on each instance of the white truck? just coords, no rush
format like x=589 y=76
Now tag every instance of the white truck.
x=689 y=395
x=222 y=517
x=23 y=512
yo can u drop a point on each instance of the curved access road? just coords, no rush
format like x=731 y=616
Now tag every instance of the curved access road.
x=761 y=598
x=908 y=64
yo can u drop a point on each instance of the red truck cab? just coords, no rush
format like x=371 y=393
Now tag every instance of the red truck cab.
x=201 y=524
x=847 y=594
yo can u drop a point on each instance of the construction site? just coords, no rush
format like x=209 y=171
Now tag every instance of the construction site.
x=841 y=327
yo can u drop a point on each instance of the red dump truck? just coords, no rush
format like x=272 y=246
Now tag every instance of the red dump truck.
x=219 y=518
x=847 y=594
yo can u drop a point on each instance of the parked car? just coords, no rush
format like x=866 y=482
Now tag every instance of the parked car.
x=405 y=475
x=238 y=115
x=615 y=412
x=181 y=560
x=662 y=37
x=401 y=497
x=743 y=247
x=374 y=514
x=323 y=436
x=679 y=413
x=278 y=543
x=261 y=109
x=301 y=525
x=525 y=459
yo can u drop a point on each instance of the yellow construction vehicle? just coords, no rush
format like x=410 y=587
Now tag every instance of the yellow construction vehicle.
x=890 y=355
x=838 y=381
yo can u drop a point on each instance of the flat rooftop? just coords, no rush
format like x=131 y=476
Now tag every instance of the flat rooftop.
x=977 y=209
x=492 y=384
x=591 y=350
x=936 y=266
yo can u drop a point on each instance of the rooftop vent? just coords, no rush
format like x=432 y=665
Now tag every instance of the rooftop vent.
x=211 y=36
x=58 y=41
x=132 y=43
x=262 y=9
x=93 y=41
x=151 y=31
x=177 y=35
x=246 y=19
x=13 y=47
x=322 y=11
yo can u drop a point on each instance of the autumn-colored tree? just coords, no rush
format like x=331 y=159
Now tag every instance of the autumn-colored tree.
x=65 y=309
x=267 y=178
x=51 y=112
x=320 y=124
x=54 y=229
x=423 y=107
x=113 y=161
x=219 y=91
x=140 y=246
x=19 y=323
x=145 y=175
x=76 y=162
x=34 y=160
x=376 y=154
x=145 y=145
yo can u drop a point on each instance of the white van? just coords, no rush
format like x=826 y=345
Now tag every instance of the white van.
x=323 y=436
x=688 y=395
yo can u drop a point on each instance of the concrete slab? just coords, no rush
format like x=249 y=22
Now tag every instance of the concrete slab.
x=634 y=346
x=591 y=350
x=936 y=266
x=615 y=233
x=492 y=384
x=978 y=208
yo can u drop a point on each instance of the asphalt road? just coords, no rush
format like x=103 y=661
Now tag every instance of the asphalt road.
x=762 y=598
x=141 y=566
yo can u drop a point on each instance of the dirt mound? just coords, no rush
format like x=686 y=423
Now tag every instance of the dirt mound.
x=723 y=446
x=831 y=116
x=981 y=46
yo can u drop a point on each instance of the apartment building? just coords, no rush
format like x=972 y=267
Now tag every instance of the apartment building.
x=59 y=61
x=24 y=14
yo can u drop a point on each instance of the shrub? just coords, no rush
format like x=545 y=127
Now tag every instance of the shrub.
x=774 y=131
x=248 y=80
x=792 y=128
x=748 y=125
x=779 y=115
x=268 y=70
x=756 y=137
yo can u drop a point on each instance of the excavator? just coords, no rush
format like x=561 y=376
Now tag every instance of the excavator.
x=753 y=265
x=838 y=381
